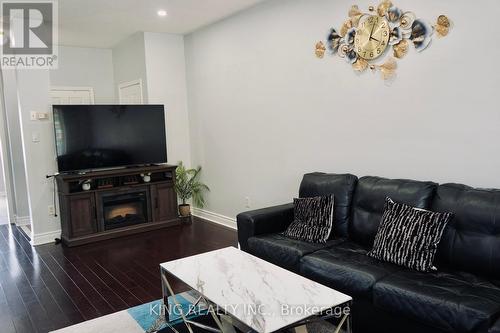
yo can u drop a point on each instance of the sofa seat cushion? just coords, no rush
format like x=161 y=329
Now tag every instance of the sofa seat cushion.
x=453 y=302
x=283 y=251
x=347 y=268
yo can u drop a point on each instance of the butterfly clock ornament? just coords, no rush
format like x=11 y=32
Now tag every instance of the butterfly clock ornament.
x=383 y=32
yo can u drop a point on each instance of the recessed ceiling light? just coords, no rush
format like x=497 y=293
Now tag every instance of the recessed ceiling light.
x=162 y=13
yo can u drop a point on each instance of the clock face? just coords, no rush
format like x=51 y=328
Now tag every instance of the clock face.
x=372 y=37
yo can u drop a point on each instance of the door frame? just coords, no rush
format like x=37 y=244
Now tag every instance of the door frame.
x=6 y=158
x=90 y=90
x=128 y=84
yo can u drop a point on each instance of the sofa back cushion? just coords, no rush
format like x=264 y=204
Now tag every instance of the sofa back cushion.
x=369 y=200
x=341 y=186
x=471 y=241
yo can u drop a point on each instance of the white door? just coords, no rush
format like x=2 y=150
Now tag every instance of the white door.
x=72 y=95
x=130 y=92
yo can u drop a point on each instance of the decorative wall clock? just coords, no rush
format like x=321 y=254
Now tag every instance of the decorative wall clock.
x=365 y=38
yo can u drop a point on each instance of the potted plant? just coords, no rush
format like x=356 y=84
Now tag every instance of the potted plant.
x=188 y=186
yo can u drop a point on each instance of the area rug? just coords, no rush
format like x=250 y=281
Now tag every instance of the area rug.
x=145 y=318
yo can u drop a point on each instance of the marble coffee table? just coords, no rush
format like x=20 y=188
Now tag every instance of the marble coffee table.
x=254 y=295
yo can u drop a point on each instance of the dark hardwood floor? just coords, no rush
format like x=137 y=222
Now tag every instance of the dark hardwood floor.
x=48 y=287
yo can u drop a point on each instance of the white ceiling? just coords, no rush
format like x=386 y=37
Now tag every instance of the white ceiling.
x=103 y=23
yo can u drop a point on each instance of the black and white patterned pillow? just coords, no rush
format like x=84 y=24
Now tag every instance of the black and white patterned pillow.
x=409 y=236
x=313 y=219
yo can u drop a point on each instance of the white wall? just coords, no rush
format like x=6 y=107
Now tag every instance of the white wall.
x=129 y=62
x=86 y=67
x=264 y=110
x=166 y=83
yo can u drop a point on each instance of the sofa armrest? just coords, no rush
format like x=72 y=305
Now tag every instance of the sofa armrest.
x=263 y=221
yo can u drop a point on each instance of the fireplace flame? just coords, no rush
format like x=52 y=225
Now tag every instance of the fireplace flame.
x=121 y=211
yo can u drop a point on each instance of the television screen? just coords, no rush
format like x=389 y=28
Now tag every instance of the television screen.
x=106 y=136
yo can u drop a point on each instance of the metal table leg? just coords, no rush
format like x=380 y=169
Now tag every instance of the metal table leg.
x=167 y=290
x=349 y=324
x=164 y=291
x=224 y=324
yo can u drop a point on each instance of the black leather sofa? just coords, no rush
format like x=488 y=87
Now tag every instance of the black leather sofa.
x=462 y=296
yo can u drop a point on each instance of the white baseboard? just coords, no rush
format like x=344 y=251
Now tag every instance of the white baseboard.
x=22 y=220
x=214 y=217
x=26 y=230
x=45 y=238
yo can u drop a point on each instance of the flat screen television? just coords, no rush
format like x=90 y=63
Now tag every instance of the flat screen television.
x=90 y=137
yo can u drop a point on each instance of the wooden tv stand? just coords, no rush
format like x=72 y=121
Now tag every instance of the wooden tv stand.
x=89 y=215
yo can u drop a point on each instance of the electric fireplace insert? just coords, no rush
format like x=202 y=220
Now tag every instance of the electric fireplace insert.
x=125 y=209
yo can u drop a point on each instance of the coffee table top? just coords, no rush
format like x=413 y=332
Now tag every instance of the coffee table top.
x=261 y=295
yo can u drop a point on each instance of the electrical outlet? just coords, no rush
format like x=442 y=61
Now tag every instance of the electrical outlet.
x=51 y=210
x=247 y=202
x=34 y=115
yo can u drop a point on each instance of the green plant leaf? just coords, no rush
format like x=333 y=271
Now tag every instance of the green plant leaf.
x=188 y=186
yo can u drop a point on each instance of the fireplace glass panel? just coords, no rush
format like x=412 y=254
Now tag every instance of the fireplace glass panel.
x=124 y=210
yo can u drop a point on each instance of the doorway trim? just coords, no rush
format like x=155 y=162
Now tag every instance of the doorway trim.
x=128 y=84
x=6 y=158
x=90 y=90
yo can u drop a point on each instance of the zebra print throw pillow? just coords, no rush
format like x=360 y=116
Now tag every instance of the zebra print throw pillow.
x=313 y=219
x=409 y=236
